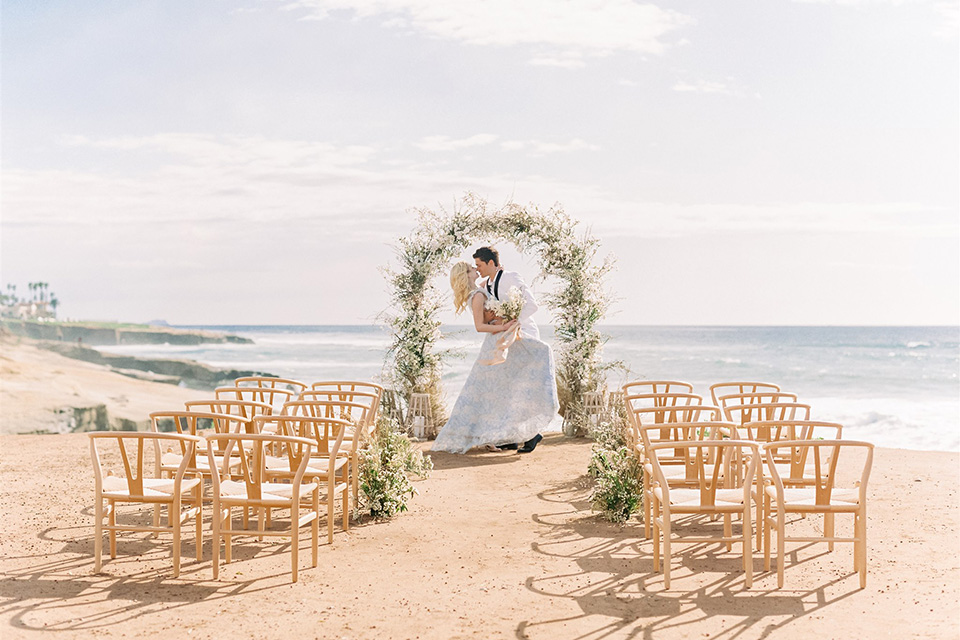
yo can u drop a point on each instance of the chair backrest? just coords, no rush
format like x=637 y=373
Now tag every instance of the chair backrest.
x=755 y=397
x=634 y=402
x=327 y=433
x=191 y=422
x=347 y=385
x=252 y=449
x=711 y=465
x=819 y=460
x=133 y=467
x=645 y=416
x=276 y=398
x=369 y=399
x=721 y=389
x=355 y=413
x=769 y=411
x=656 y=386
x=270 y=382
x=764 y=431
x=246 y=409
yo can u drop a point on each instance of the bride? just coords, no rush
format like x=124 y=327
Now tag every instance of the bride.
x=500 y=404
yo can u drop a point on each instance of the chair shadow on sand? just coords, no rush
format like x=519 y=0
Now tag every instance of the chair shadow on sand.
x=70 y=597
x=615 y=584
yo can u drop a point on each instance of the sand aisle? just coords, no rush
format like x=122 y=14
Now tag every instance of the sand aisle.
x=495 y=546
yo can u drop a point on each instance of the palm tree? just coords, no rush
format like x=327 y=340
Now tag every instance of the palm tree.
x=54 y=303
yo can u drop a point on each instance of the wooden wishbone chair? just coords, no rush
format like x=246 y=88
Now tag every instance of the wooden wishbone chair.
x=326 y=466
x=254 y=489
x=355 y=413
x=791 y=462
x=823 y=496
x=135 y=486
x=678 y=424
x=723 y=487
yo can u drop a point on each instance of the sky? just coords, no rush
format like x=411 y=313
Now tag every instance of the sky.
x=255 y=161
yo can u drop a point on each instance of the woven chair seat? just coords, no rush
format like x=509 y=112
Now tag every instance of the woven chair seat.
x=117 y=487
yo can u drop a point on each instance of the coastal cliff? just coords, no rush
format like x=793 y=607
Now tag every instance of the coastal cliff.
x=99 y=333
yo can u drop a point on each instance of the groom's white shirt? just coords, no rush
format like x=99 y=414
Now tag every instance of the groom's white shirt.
x=508 y=279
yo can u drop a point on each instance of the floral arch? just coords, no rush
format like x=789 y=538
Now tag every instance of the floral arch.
x=415 y=362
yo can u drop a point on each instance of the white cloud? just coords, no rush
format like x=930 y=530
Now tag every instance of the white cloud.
x=703 y=86
x=443 y=143
x=541 y=148
x=359 y=191
x=562 y=62
x=595 y=27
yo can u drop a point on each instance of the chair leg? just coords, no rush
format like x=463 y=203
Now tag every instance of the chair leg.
x=112 y=522
x=646 y=505
x=345 y=505
x=656 y=537
x=747 y=547
x=728 y=530
x=330 y=512
x=767 y=525
x=198 y=498
x=355 y=472
x=781 y=528
x=294 y=539
x=861 y=520
x=315 y=527
x=98 y=540
x=227 y=537
x=215 y=534
x=666 y=549
x=174 y=513
x=828 y=528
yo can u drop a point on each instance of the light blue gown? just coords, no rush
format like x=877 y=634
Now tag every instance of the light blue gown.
x=503 y=403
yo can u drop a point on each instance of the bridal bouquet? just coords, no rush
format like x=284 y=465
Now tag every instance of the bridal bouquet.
x=508 y=309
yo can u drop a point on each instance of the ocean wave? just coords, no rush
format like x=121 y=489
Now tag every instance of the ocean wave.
x=930 y=425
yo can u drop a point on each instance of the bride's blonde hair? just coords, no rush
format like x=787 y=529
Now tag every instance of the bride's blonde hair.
x=462 y=284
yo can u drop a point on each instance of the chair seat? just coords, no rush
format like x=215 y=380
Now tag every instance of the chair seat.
x=270 y=492
x=691 y=497
x=116 y=487
x=171 y=461
x=807 y=496
x=315 y=465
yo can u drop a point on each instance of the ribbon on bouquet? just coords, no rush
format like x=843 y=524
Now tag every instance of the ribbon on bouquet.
x=504 y=341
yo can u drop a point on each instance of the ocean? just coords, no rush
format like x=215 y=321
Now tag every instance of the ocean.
x=893 y=386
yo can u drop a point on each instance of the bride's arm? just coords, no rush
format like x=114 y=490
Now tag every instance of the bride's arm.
x=476 y=305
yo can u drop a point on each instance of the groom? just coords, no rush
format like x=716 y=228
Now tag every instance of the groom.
x=498 y=283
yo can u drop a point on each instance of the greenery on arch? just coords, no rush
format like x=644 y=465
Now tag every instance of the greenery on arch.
x=415 y=361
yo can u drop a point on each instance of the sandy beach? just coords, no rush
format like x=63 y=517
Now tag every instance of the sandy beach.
x=496 y=545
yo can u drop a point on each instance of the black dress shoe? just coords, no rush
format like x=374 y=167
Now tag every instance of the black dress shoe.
x=531 y=444
x=513 y=446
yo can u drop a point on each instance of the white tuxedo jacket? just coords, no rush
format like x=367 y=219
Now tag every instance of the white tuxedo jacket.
x=499 y=286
